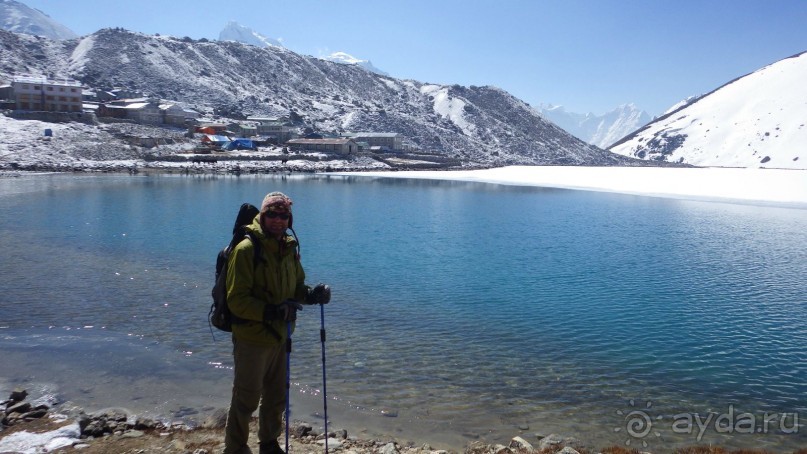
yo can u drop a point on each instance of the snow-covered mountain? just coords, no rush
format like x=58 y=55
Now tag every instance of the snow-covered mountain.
x=599 y=130
x=758 y=120
x=347 y=59
x=233 y=31
x=476 y=125
x=241 y=34
x=19 y=18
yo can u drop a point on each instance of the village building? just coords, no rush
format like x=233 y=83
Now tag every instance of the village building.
x=144 y=113
x=98 y=96
x=147 y=111
x=7 y=97
x=211 y=128
x=174 y=114
x=385 y=141
x=280 y=128
x=38 y=93
x=340 y=146
x=242 y=129
x=215 y=139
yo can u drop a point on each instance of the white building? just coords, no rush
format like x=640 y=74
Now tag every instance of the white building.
x=38 y=93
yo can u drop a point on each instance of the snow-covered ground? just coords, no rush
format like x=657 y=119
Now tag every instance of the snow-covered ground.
x=78 y=146
x=27 y=442
x=755 y=185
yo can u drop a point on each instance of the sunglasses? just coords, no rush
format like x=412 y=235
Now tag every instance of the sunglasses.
x=271 y=215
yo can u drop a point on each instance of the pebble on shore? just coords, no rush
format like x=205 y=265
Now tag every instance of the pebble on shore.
x=116 y=427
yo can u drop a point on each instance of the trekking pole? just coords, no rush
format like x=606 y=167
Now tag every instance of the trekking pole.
x=324 y=385
x=288 y=381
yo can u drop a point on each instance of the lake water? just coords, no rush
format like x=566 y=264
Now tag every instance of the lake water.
x=460 y=311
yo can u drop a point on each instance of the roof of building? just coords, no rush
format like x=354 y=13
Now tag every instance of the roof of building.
x=45 y=80
x=320 y=141
x=215 y=138
x=268 y=119
x=136 y=105
x=371 y=134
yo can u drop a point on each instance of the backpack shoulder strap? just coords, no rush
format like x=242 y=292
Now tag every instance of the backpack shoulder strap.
x=256 y=249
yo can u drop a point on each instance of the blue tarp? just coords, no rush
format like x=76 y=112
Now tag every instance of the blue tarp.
x=240 y=144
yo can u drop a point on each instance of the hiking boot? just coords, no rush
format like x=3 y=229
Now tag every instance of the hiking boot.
x=271 y=447
x=242 y=450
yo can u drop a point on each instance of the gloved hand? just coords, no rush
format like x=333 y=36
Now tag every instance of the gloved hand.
x=286 y=311
x=320 y=294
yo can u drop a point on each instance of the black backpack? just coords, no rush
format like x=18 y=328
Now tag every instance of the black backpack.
x=220 y=315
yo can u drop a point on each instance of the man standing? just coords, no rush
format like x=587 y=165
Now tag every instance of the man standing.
x=263 y=298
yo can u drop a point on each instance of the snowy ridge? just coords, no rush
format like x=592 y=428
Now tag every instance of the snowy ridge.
x=238 y=33
x=600 y=130
x=476 y=125
x=347 y=59
x=19 y=18
x=758 y=120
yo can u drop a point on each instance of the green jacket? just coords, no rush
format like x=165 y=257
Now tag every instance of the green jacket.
x=278 y=277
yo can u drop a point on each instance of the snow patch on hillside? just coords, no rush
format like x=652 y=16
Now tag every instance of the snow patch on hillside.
x=450 y=108
x=78 y=59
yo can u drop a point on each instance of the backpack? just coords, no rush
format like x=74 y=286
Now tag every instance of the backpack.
x=220 y=315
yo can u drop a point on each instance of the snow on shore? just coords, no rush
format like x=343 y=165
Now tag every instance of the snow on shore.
x=26 y=442
x=727 y=184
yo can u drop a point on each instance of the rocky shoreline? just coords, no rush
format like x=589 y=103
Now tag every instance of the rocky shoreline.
x=38 y=427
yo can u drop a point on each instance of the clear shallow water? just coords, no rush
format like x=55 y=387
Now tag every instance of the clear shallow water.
x=469 y=310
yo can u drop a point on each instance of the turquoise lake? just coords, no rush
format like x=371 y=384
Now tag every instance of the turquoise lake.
x=460 y=311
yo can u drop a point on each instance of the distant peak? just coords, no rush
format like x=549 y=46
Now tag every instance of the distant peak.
x=347 y=59
x=233 y=31
x=18 y=18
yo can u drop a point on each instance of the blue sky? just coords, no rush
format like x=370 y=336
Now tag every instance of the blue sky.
x=587 y=55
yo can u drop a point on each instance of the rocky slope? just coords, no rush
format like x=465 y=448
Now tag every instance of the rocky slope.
x=479 y=125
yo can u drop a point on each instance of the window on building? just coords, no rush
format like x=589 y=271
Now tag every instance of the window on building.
x=36 y=87
x=49 y=88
